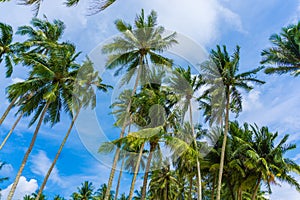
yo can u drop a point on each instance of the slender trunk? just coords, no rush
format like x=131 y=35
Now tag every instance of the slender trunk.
x=240 y=192
x=57 y=156
x=256 y=187
x=224 y=143
x=213 y=187
x=136 y=171
x=147 y=169
x=14 y=186
x=117 y=154
x=121 y=170
x=11 y=130
x=119 y=178
x=191 y=187
x=12 y=103
x=199 y=186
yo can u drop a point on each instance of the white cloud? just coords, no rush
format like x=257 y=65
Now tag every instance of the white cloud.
x=17 y=80
x=284 y=191
x=6 y=170
x=252 y=101
x=40 y=164
x=24 y=187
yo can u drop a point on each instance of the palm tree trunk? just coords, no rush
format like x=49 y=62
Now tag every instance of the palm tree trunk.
x=11 y=130
x=119 y=178
x=147 y=169
x=14 y=186
x=199 y=186
x=256 y=188
x=57 y=155
x=240 y=192
x=117 y=154
x=136 y=171
x=12 y=103
x=224 y=143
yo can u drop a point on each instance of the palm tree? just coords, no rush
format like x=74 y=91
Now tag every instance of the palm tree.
x=51 y=83
x=223 y=70
x=268 y=159
x=96 y=6
x=284 y=56
x=100 y=194
x=132 y=51
x=185 y=85
x=43 y=36
x=7 y=48
x=83 y=96
x=85 y=192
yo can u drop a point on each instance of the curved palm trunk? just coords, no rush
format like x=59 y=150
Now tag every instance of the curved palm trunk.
x=191 y=187
x=256 y=188
x=8 y=109
x=56 y=156
x=119 y=179
x=136 y=171
x=199 y=186
x=11 y=130
x=14 y=186
x=117 y=154
x=147 y=169
x=224 y=143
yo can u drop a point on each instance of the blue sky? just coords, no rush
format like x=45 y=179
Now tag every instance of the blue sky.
x=247 y=23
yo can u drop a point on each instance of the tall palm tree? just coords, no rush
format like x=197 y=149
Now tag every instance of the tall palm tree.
x=100 y=193
x=284 y=56
x=83 y=96
x=51 y=83
x=132 y=51
x=221 y=75
x=185 y=85
x=42 y=37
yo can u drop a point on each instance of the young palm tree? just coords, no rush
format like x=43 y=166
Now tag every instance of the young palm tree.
x=284 y=56
x=223 y=70
x=51 y=81
x=132 y=51
x=83 y=96
x=85 y=192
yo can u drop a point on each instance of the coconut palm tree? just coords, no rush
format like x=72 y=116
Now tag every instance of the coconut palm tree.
x=8 y=49
x=268 y=159
x=185 y=85
x=42 y=37
x=221 y=75
x=100 y=193
x=284 y=56
x=85 y=192
x=51 y=83
x=83 y=96
x=132 y=51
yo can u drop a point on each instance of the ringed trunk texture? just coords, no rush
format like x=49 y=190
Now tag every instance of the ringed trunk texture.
x=14 y=186
x=224 y=143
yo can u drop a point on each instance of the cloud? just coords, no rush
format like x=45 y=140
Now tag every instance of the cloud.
x=284 y=191
x=40 y=164
x=17 y=80
x=24 y=187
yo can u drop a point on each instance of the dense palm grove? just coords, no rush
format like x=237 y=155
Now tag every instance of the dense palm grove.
x=219 y=159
